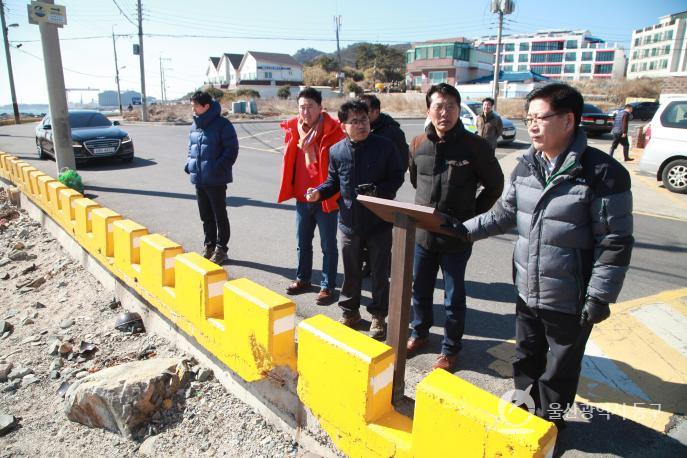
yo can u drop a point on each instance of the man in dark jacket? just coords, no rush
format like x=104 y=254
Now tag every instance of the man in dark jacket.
x=362 y=164
x=384 y=125
x=572 y=207
x=212 y=151
x=619 y=132
x=489 y=124
x=446 y=167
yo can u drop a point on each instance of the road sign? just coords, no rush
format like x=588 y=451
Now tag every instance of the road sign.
x=135 y=100
x=47 y=13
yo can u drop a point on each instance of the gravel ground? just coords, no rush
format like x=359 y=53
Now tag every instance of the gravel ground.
x=47 y=296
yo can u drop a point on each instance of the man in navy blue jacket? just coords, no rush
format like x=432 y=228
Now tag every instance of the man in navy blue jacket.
x=212 y=151
x=362 y=164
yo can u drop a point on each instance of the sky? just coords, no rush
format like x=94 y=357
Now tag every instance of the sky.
x=186 y=33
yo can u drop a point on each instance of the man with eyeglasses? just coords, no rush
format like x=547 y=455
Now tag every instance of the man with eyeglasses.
x=447 y=165
x=572 y=207
x=369 y=165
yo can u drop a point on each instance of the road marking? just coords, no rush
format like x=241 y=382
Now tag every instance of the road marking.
x=597 y=366
x=258 y=134
x=656 y=215
x=655 y=186
x=666 y=322
x=273 y=150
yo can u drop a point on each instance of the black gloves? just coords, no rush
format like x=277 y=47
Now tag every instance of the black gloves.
x=367 y=189
x=594 y=311
x=456 y=228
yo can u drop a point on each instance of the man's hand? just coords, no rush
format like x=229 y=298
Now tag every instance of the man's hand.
x=456 y=228
x=594 y=311
x=312 y=195
x=367 y=189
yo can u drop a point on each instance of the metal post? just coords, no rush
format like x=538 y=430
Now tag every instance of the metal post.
x=497 y=67
x=337 y=21
x=119 y=91
x=144 y=102
x=15 y=107
x=399 y=296
x=57 y=96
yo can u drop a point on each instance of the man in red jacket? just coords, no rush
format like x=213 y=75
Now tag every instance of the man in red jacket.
x=307 y=140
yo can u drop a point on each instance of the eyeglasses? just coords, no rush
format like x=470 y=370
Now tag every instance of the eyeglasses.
x=358 y=121
x=540 y=119
x=448 y=107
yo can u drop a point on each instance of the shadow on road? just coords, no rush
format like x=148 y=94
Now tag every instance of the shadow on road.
x=238 y=201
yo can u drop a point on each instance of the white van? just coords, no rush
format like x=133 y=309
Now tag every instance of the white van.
x=665 y=153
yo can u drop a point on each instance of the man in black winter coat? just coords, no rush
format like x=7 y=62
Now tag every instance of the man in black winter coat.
x=447 y=165
x=386 y=126
x=362 y=164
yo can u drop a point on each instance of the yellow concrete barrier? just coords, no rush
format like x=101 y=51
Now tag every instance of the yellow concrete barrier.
x=67 y=215
x=345 y=379
x=102 y=220
x=3 y=170
x=259 y=327
x=127 y=248
x=83 y=209
x=33 y=185
x=11 y=161
x=43 y=196
x=54 y=188
x=158 y=260
x=453 y=417
x=199 y=289
x=22 y=170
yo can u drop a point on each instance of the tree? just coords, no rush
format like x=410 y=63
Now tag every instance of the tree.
x=317 y=76
x=328 y=63
x=284 y=92
x=388 y=62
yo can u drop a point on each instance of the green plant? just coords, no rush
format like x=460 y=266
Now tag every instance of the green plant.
x=353 y=87
x=284 y=92
x=215 y=93
x=248 y=93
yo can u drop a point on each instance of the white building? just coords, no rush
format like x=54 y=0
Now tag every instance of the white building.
x=660 y=50
x=267 y=68
x=223 y=71
x=559 y=54
x=211 y=72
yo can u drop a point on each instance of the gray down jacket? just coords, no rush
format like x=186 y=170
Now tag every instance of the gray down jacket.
x=574 y=228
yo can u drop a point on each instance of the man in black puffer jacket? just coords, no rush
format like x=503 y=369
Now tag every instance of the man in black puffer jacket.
x=447 y=165
x=362 y=164
x=212 y=151
x=572 y=207
x=386 y=126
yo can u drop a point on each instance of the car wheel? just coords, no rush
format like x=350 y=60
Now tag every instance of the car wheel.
x=675 y=176
x=39 y=150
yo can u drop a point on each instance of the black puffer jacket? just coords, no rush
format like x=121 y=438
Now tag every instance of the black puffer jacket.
x=446 y=173
x=372 y=161
x=574 y=228
x=388 y=128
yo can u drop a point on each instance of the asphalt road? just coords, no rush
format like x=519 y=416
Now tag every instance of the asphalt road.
x=155 y=192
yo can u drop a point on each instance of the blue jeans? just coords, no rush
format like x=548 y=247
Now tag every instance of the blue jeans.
x=309 y=216
x=425 y=269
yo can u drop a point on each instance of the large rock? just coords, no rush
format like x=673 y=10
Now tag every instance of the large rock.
x=122 y=398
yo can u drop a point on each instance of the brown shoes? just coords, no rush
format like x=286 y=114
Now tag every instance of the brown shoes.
x=324 y=297
x=445 y=362
x=298 y=287
x=350 y=319
x=378 y=327
x=414 y=344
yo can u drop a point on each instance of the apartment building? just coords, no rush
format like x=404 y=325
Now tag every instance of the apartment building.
x=660 y=50
x=452 y=61
x=559 y=54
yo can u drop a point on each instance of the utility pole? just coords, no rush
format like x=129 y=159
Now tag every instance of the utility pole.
x=119 y=91
x=163 y=82
x=5 y=29
x=144 y=102
x=57 y=95
x=337 y=23
x=499 y=7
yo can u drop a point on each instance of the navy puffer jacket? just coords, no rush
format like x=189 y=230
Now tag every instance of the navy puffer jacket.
x=212 y=148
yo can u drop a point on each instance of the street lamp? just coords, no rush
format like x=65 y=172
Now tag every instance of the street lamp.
x=5 y=29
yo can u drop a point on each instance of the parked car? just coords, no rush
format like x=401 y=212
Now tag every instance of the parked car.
x=640 y=110
x=594 y=121
x=665 y=151
x=469 y=111
x=93 y=136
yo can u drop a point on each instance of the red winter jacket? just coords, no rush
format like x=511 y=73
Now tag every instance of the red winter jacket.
x=331 y=135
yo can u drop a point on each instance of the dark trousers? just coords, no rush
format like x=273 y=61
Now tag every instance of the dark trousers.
x=379 y=251
x=213 y=213
x=618 y=139
x=548 y=357
x=425 y=269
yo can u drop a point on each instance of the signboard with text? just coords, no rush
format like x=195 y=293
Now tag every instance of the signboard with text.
x=47 y=13
x=135 y=100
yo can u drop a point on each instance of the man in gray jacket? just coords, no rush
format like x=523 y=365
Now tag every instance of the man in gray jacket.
x=572 y=207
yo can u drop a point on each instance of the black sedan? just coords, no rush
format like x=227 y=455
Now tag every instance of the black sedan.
x=93 y=136
x=594 y=121
x=640 y=110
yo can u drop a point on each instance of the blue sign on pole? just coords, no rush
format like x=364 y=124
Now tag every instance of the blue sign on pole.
x=135 y=100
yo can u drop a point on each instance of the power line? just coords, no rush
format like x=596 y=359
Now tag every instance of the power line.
x=124 y=14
